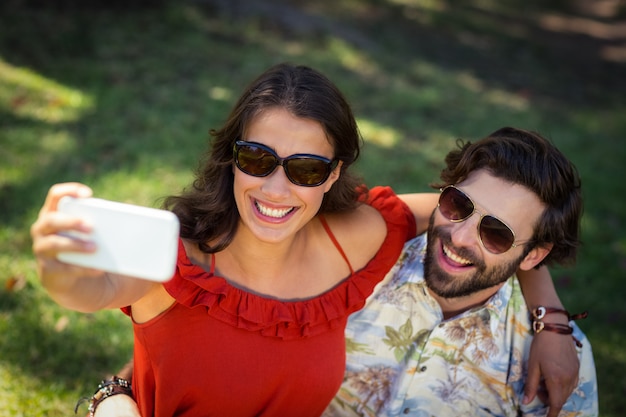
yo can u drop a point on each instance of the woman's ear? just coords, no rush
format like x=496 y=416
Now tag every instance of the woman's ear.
x=334 y=176
x=535 y=256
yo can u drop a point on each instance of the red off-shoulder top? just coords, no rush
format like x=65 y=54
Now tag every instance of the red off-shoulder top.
x=222 y=351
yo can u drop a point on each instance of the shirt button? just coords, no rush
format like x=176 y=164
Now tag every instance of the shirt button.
x=406 y=410
x=423 y=369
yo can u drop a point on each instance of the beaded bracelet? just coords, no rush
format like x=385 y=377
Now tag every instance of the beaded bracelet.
x=106 y=388
x=538 y=325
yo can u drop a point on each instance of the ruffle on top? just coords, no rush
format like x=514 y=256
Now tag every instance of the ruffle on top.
x=192 y=286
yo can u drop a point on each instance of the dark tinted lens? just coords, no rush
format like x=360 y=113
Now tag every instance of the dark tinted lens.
x=496 y=236
x=454 y=205
x=307 y=171
x=254 y=160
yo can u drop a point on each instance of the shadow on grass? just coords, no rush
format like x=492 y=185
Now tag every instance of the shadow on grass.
x=60 y=348
x=609 y=359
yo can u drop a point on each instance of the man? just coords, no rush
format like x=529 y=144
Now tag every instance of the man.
x=447 y=333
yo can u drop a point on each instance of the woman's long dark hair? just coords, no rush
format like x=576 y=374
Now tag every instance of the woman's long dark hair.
x=207 y=211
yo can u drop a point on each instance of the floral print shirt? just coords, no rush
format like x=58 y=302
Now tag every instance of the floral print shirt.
x=403 y=359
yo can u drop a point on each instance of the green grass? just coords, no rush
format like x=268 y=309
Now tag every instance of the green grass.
x=123 y=98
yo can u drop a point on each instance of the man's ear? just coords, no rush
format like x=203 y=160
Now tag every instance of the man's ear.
x=535 y=256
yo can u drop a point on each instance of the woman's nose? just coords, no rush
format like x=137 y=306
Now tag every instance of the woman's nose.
x=276 y=184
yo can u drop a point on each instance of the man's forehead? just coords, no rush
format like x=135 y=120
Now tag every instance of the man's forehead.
x=500 y=197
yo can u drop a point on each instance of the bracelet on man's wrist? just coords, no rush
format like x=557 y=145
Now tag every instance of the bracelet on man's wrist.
x=539 y=313
x=107 y=388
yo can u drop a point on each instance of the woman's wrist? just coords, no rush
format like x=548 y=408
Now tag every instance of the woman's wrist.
x=118 y=406
x=106 y=389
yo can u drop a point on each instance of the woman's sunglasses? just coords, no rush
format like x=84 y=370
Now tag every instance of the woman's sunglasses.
x=494 y=234
x=301 y=169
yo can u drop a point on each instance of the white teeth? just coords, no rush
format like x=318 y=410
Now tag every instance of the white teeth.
x=270 y=212
x=454 y=257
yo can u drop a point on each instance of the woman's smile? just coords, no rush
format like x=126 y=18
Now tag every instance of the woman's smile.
x=273 y=212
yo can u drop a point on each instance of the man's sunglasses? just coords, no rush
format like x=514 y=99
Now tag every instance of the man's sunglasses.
x=301 y=169
x=494 y=234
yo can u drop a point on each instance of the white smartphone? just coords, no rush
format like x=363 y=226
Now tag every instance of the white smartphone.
x=131 y=240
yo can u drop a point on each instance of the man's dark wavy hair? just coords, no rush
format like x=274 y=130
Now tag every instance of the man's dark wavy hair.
x=207 y=210
x=526 y=158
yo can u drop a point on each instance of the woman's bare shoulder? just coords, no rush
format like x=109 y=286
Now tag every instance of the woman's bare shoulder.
x=156 y=301
x=360 y=233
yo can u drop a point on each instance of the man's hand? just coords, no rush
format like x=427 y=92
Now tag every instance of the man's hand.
x=553 y=367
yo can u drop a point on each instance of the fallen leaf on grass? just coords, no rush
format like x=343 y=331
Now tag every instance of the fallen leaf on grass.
x=15 y=283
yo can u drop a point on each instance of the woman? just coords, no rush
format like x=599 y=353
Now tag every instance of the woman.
x=271 y=261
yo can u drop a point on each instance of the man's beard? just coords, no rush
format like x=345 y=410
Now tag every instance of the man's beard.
x=451 y=286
